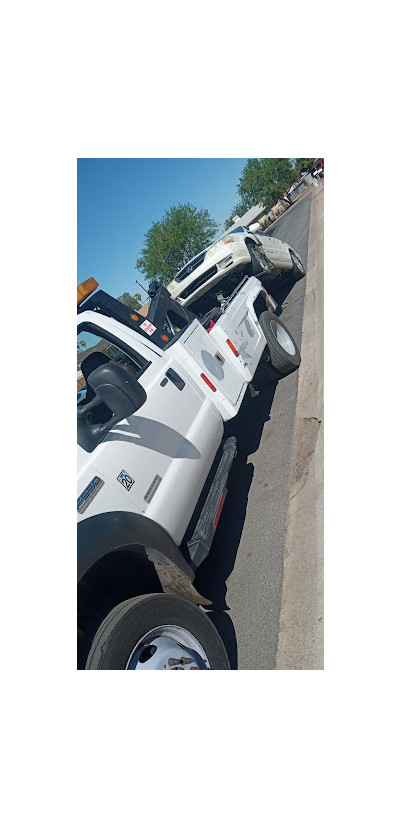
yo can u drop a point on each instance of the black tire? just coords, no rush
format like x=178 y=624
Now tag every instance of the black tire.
x=260 y=265
x=281 y=347
x=265 y=374
x=116 y=642
x=298 y=269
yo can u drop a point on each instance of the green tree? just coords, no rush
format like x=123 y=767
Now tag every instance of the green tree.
x=303 y=165
x=170 y=243
x=264 y=180
x=134 y=302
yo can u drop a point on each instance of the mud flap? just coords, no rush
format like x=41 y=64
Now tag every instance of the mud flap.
x=172 y=580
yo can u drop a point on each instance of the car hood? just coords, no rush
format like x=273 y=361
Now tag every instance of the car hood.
x=199 y=258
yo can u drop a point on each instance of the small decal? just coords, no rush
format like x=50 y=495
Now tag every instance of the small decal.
x=152 y=488
x=148 y=327
x=86 y=497
x=125 y=479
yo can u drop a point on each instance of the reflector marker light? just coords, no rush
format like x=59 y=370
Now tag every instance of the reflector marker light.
x=218 y=512
x=209 y=383
x=235 y=351
x=135 y=317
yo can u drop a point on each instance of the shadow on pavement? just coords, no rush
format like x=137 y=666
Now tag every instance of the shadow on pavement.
x=212 y=575
x=280 y=291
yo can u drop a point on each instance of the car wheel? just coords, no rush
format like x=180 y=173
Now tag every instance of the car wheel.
x=281 y=355
x=298 y=269
x=260 y=265
x=157 y=632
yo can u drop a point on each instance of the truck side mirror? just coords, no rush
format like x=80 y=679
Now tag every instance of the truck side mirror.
x=123 y=395
x=256 y=226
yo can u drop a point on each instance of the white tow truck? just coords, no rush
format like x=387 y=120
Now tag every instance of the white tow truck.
x=154 y=394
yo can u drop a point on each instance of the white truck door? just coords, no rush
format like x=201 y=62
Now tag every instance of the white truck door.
x=156 y=461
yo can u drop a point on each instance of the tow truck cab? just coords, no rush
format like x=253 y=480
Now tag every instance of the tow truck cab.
x=154 y=394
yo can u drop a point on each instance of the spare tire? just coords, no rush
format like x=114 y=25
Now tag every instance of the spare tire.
x=282 y=351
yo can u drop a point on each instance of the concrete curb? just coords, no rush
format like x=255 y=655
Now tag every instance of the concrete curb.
x=300 y=640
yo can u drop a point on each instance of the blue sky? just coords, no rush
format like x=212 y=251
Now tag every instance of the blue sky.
x=120 y=198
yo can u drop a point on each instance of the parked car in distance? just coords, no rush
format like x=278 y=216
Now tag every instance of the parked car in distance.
x=240 y=251
x=318 y=169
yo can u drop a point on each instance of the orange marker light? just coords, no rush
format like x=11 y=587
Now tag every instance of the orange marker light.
x=235 y=351
x=135 y=317
x=164 y=337
x=209 y=383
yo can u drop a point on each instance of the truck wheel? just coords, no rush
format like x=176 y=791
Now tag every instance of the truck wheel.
x=265 y=374
x=298 y=269
x=283 y=352
x=157 y=632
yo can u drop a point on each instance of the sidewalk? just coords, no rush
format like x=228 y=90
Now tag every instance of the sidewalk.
x=300 y=641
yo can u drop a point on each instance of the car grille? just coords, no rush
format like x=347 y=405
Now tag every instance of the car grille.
x=190 y=267
x=199 y=281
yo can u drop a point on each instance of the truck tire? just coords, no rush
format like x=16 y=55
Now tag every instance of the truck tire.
x=284 y=356
x=298 y=269
x=157 y=632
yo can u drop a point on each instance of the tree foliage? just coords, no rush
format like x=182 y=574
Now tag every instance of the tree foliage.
x=264 y=180
x=182 y=233
x=134 y=302
x=303 y=165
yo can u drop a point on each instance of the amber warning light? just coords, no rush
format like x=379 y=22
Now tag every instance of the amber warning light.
x=86 y=288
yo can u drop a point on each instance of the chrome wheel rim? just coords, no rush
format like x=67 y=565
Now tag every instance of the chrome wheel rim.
x=168 y=648
x=282 y=337
x=261 y=258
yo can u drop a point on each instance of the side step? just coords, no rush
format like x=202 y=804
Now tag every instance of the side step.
x=201 y=540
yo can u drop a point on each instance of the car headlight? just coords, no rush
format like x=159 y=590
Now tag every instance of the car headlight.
x=213 y=249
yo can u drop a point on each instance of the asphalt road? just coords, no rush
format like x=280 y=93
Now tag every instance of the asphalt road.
x=243 y=571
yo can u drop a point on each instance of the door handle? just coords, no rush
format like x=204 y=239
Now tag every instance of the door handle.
x=175 y=379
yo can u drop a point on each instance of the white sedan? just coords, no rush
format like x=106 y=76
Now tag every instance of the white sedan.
x=241 y=251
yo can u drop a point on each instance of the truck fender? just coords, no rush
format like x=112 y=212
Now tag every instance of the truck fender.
x=102 y=534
